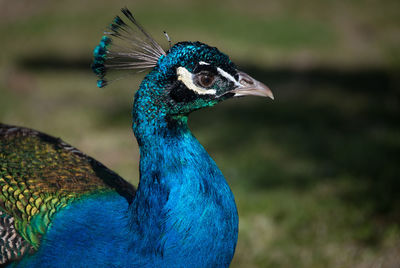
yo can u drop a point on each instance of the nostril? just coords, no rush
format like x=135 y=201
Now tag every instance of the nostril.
x=249 y=81
x=246 y=81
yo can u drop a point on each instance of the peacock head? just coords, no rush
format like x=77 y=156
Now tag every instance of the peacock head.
x=189 y=76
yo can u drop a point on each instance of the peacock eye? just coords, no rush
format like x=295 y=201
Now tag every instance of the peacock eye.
x=206 y=79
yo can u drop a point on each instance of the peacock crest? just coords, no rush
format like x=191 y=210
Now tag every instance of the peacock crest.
x=125 y=45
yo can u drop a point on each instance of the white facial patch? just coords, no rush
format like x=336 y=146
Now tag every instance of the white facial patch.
x=187 y=78
x=203 y=63
x=228 y=76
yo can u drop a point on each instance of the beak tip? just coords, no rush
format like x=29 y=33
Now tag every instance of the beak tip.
x=271 y=95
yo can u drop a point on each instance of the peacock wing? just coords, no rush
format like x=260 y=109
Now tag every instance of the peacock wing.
x=39 y=176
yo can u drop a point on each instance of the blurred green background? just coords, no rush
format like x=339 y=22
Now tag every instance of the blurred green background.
x=315 y=173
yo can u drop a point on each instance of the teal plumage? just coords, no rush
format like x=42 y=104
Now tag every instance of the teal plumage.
x=63 y=208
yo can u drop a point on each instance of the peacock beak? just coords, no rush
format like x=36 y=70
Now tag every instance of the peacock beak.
x=251 y=86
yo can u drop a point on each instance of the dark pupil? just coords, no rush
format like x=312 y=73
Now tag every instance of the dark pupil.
x=206 y=80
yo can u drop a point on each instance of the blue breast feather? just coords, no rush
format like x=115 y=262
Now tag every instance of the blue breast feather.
x=192 y=217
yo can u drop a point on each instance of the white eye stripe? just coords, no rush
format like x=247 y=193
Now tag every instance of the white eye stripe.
x=204 y=63
x=228 y=76
x=187 y=78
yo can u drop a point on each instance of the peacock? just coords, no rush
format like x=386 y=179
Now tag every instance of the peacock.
x=61 y=208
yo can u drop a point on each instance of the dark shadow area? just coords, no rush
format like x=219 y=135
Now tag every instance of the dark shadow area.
x=343 y=123
x=53 y=63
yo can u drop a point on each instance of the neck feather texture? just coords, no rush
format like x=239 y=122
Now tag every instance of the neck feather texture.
x=183 y=207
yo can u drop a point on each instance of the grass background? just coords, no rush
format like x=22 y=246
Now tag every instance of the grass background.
x=315 y=173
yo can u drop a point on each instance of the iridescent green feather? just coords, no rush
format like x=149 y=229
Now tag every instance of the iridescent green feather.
x=40 y=175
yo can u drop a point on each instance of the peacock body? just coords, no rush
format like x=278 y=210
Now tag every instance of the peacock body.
x=60 y=207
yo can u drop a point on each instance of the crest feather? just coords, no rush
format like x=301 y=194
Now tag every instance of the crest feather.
x=125 y=45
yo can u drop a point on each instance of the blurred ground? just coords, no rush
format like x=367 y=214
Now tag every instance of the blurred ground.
x=315 y=173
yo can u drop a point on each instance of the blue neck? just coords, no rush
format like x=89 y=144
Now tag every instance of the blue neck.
x=183 y=206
